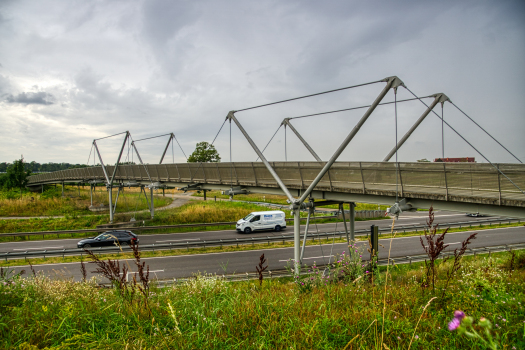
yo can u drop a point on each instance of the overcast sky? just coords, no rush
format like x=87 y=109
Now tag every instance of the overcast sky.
x=72 y=71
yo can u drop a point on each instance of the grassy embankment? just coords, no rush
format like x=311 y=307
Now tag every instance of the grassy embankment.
x=276 y=199
x=359 y=311
x=193 y=212
x=75 y=202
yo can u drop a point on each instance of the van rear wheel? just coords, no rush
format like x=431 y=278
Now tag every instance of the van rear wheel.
x=247 y=230
x=277 y=228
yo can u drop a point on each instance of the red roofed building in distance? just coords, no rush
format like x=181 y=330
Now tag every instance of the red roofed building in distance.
x=456 y=160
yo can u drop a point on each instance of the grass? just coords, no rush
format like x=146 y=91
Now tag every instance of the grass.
x=76 y=201
x=211 y=313
x=193 y=212
x=228 y=248
x=276 y=199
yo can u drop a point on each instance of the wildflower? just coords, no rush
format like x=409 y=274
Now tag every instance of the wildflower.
x=456 y=321
x=417 y=336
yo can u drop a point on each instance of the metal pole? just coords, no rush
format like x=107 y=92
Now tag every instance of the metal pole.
x=391 y=82
x=119 y=156
x=285 y=150
x=116 y=200
x=101 y=162
x=165 y=149
x=204 y=195
x=352 y=221
x=62 y=188
x=231 y=116
x=438 y=98
x=442 y=135
x=91 y=193
x=110 y=191
x=305 y=235
x=297 y=240
x=140 y=159
x=341 y=207
x=287 y=122
x=152 y=206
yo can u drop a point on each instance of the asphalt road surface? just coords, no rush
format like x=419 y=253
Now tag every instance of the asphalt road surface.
x=245 y=261
x=405 y=219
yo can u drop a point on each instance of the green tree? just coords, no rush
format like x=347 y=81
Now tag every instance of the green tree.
x=205 y=153
x=17 y=175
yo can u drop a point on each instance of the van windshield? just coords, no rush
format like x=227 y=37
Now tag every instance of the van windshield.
x=248 y=217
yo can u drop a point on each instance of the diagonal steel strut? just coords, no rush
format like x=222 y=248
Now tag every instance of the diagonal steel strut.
x=231 y=116
x=286 y=122
x=437 y=98
x=392 y=82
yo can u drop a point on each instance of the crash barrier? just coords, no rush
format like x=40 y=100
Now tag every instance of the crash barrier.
x=246 y=276
x=364 y=214
x=210 y=243
x=138 y=228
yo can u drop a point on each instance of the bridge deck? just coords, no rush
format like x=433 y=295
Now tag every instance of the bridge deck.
x=456 y=182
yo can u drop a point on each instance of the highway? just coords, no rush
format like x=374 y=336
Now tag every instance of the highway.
x=409 y=218
x=245 y=261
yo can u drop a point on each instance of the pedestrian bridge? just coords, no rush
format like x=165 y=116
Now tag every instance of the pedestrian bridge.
x=469 y=187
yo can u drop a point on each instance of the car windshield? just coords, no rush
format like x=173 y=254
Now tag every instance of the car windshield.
x=104 y=236
x=248 y=217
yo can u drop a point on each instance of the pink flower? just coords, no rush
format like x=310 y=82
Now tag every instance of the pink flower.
x=456 y=321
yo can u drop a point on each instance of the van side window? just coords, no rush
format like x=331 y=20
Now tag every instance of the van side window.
x=256 y=218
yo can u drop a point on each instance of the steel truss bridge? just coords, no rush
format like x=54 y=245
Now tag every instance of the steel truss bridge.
x=485 y=188
x=471 y=187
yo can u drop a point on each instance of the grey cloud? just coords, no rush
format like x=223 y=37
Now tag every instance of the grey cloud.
x=40 y=98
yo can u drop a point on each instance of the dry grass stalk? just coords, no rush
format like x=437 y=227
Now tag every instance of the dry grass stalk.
x=261 y=268
x=458 y=255
x=435 y=245
x=393 y=235
x=417 y=324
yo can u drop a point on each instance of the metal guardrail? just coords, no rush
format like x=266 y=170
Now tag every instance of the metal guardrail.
x=203 y=243
x=144 y=228
x=138 y=228
x=382 y=262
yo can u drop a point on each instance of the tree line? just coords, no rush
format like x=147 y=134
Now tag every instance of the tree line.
x=14 y=175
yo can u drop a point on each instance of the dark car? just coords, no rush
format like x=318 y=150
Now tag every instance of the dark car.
x=109 y=238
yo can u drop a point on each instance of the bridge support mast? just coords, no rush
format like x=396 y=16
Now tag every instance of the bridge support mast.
x=152 y=206
x=437 y=98
x=352 y=221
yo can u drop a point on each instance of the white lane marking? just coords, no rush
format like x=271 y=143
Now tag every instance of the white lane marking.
x=40 y=248
x=129 y=272
x=250 y=251
x=453 y=243
x=315 y=257
x=178 y=240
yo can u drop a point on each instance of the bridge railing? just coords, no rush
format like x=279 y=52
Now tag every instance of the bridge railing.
x=442 y=181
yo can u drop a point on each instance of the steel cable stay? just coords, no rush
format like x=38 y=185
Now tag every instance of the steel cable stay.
x=464 y=139
x=486 y=132
x=306 y=96
x=215 y=138
x=275 y=133
x=395 y=127
x=354 y=108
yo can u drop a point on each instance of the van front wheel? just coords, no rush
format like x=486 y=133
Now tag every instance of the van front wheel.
x=277 y=228
x=247 y=230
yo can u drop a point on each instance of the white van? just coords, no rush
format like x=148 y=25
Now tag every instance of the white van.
x=262 y=220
